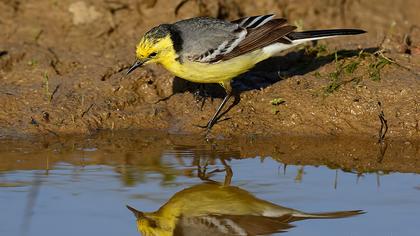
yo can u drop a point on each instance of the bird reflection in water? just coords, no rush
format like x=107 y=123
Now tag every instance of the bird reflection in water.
x=218 y=209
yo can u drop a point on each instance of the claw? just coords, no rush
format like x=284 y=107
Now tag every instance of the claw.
x=201 y=95
x=207 y=127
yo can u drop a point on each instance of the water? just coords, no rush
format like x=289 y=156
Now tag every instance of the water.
x=82 y=187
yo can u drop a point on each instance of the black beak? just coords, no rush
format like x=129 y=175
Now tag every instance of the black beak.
x=138 y=214
x=136 y=64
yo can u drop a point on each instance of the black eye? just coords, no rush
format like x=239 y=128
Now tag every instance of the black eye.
x=153 y=54
x=152 y=223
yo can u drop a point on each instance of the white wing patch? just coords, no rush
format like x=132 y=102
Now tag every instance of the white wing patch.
x=255 y=21
x=225 y=226
x=276 y=48
x=243 y=25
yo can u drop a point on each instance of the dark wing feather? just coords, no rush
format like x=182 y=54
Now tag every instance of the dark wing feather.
x=212 y=40
x=204 y=38
x=224 y=225
x=260 y=225
x=207 y=225
x=269 y=33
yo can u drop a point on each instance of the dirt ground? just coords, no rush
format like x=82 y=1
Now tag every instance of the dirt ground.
x=62 y=66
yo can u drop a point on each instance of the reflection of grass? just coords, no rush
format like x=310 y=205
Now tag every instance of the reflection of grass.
x=14 y=184
x=140 y=170
x=130 y=176
x=299 y=174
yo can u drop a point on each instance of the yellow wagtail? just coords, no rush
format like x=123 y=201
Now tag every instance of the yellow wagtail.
x=208 y=50
x=213 y=209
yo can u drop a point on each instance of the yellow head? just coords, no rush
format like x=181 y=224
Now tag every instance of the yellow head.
x=157 y=45
x=148 y=224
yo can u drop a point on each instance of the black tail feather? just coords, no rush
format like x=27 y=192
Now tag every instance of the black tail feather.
x=323 y=33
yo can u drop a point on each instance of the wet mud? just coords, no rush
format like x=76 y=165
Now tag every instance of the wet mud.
x=62 y=71
x=145 y=150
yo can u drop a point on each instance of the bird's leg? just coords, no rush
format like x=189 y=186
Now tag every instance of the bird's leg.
x=229 y=173
x=213 y=119
x=205 y=176
x=202 y=171
x=228 y=89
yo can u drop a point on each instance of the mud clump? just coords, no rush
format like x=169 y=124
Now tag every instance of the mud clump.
x=62 y=71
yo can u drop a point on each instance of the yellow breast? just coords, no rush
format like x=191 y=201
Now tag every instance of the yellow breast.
x=213 y=72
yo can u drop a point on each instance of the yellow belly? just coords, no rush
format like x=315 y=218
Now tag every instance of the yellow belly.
x=214 y=72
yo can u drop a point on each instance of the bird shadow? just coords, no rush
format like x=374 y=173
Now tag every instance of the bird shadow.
x=266 y=73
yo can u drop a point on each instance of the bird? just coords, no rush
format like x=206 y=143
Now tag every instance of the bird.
x=216 y=209
x=210 y=50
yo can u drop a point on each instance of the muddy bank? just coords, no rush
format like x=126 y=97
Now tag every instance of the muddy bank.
x=63 y=72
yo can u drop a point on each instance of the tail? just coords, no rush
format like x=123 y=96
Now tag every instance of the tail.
x=306 y=36
x=300 y=37
x=327 y=215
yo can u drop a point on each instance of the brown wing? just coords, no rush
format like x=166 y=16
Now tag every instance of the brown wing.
x=261 y=225
x=224 y=225
x=270 y=32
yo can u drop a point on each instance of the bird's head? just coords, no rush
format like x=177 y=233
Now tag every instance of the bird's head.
x=148 y=224
x=157 y=45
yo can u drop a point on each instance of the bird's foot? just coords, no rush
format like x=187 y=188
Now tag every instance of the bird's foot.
x=205 y=175
x=201 y=95
x=207 y=128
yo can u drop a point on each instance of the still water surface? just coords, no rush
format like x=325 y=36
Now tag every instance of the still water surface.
x=84 y=190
